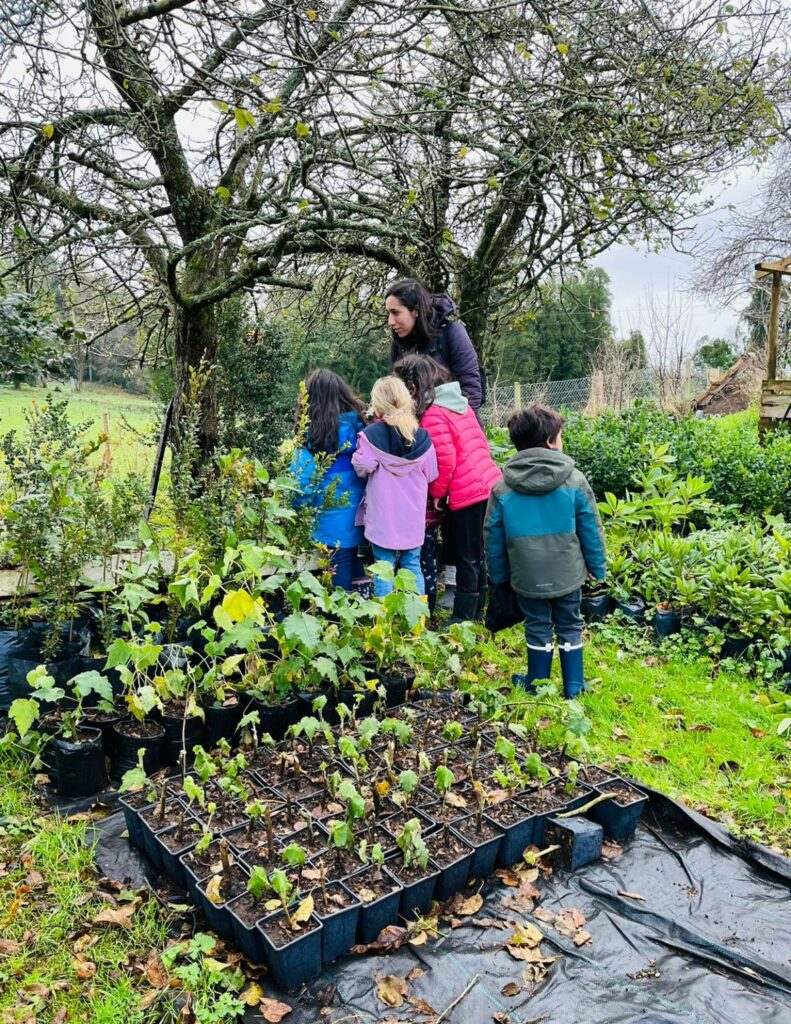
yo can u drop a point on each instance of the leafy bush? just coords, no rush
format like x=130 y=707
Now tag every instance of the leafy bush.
x=613 y=449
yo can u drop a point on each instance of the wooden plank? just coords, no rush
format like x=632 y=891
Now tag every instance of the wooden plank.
x=778 y=267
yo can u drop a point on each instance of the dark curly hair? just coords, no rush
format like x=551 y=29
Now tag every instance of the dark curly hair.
x=422 y=375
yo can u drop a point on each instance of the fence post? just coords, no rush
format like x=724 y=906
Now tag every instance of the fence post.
x=517 y=396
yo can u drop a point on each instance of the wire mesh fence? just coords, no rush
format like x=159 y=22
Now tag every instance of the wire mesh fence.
x=593 y=393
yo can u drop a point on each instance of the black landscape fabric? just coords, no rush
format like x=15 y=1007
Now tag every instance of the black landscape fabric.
x=708 y=943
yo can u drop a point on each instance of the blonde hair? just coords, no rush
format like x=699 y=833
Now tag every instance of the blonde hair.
x=391 y=400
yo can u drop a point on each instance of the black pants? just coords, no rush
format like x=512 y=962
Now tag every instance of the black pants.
x=467 y=530
x=428 y=563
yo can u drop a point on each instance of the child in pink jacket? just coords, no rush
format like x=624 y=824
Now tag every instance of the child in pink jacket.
x=466 y=474
x=397 y=457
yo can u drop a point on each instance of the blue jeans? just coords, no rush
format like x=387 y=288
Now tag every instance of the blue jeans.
x=399 y=560
x=543 y=614
x=345 y=567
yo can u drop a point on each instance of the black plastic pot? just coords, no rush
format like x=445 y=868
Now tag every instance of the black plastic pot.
x=217 y=915
x=297 y=962
x=339 y=929
x=595 y=607
x=666 y=622
x=347 y=695
x=305 y=704
x=134 y=826
x=379 y=913
x=221 y=722
x=125 y=748
x=633 y=609
x=20 y=665
x=619 y=821
x=453 y=877
x=148 y=832
x=735 y=646
x=484 y=857
x=516 y=838
x=49 y=726
x=416 y=896
x=395 y=687
x=177 y=728
x=171 y=859
x=568 y=804
x=105 y=727
x=79 y=765
x=276 y=718
x=249 y=938
x=14 y=643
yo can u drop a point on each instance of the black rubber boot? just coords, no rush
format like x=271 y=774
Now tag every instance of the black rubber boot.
x=464 y=607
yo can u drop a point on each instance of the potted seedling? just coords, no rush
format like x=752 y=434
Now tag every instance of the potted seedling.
x=180 y=714
x=338 y=909
x=483 y=835
x=133 y=659
x=453 y=855
x=246 y=910
x=136 y=791
x=226 y=881
x=342 y=834
x=417 y=874
x=292 y=936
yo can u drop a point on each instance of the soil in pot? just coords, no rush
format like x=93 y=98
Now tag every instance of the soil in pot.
x=214 y=896
x=79 y=763
x=311 y=837
x=104 y=722
x=246 y=911
x=293 y=958
x=129 y=736
x=321 y=807
x=518 y=825
x=619 y=817
x=379 y=894
x=338 y=912
x=337 y=863
x=452 y=855
x=485 y=838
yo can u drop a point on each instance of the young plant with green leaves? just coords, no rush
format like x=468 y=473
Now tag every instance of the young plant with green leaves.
x=410 y=842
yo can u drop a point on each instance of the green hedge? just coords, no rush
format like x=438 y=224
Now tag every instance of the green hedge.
x=751 y=474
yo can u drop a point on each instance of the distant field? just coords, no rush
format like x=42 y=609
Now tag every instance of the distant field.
x=127 y=416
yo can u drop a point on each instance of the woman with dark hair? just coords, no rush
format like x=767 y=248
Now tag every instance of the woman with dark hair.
x=466 y=475
x=419 y=323
x=335 y=417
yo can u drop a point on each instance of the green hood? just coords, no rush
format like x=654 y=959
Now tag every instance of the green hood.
x=449 y=396
x=537 y=470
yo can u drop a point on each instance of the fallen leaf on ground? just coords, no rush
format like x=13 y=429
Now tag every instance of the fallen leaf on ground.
x=84 y=969
x=470 y=906
x=391 y=989
x=9 y=947
x=545 y=914
x=252 y=995
x=120 y=917
x=274 y=1011
x=568 y=920
x=631 y=895
x=611 y=850
x=501 y=1018
x=699 y=727
x=511 y=989
x=581 y=937
x=389 y=940
x=155 y=972
x=414 y=974
x=326 y=995
x=422 y=1007
x=60 y=1016
x=488 y=922
x=508 y=877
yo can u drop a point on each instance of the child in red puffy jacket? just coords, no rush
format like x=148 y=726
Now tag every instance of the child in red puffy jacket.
x=467 y=474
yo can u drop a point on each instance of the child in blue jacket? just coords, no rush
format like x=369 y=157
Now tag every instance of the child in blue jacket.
x=336 y=417
x=544 y=536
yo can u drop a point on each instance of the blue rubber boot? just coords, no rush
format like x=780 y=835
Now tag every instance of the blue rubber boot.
x=571 y=667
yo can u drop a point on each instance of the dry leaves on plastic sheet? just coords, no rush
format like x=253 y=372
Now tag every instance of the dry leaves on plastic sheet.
x=389 y=940
x=611 y=850
x=568 y=922
x=391 y=989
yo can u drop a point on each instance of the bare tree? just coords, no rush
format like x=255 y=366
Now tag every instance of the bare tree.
x=192 y=149
x=670 y=342
x=616 y=378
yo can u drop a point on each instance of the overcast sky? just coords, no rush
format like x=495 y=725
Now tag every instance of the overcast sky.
x=633 y=271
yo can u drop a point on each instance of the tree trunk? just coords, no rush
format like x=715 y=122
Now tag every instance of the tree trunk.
x=196 y=376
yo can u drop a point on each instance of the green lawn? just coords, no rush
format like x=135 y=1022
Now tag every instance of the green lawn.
x=671 y=720
x=130 y=419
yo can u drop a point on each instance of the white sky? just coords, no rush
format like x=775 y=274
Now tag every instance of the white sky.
x=633 y=271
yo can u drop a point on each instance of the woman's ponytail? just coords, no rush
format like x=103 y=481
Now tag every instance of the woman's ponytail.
x=391 y=401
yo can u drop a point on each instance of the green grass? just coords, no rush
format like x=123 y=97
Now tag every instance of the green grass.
x=704 y=737
x=127 y=416
x=49 y=896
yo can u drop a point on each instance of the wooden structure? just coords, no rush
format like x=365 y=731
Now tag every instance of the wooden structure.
x=730 y=390
x=775 y=394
